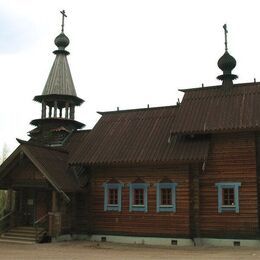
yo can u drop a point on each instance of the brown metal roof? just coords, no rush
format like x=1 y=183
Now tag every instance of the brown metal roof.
x=75 y=140
x=213 y=109
x=54 y=164
x=137 y=136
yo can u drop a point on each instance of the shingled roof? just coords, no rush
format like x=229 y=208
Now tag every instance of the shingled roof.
x=60 y=80
x=219 y=109
x=136 y=137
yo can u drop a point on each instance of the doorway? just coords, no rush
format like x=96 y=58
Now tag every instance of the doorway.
x=28 y=207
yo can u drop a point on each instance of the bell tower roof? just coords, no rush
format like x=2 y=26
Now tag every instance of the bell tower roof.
x=60 y=81
x=58 y=99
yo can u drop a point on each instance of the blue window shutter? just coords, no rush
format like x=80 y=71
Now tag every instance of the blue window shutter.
x=174 y=185
x=237 y=198
x=120 y=198
x=219 y=199
x=105 y=196
x=130 y=197
x=145 y=199
x=158 y=197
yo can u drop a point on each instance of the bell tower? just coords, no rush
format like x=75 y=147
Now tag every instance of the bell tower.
x=58 y=99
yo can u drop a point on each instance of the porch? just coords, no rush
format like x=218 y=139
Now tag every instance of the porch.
x=34 y=215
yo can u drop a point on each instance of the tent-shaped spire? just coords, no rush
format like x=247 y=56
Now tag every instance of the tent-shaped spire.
x=58 y=99
x=60 y=80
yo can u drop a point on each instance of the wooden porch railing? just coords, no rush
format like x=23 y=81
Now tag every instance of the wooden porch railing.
x=42 y=222
x=5 y=221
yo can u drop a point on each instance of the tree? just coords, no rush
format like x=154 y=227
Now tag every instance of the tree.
x=3 y=194
x=4 y=153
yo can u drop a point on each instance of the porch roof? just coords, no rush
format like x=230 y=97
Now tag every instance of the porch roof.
x=52 y=163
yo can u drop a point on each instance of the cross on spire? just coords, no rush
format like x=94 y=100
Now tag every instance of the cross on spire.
x=226 y=31
x=62 y=24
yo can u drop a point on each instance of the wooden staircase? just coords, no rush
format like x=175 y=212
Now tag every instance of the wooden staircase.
x=24 y=235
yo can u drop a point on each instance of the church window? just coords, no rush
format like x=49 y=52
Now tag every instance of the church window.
x=166 y=197
x=228 y=196
x=112 y=196
x=138 y=197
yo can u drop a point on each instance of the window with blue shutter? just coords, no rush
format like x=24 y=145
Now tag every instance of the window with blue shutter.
x=228 y=196
x=113 y=196
x=138 y=197
x=166 y=197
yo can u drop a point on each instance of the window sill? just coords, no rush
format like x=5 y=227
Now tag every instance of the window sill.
x=229 y=209
x=164 y=208
x=138 y=208
x=113 y=208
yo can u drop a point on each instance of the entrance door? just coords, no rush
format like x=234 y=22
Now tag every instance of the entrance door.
x=28 y=207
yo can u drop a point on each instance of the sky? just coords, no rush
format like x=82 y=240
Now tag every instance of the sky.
x=124 y=53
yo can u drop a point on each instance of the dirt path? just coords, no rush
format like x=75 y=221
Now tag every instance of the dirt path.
x=90 y=250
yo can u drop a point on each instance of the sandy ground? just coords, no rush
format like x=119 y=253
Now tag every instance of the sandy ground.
x=90 y=250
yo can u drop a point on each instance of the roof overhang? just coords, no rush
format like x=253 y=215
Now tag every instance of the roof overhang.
x=40 y=166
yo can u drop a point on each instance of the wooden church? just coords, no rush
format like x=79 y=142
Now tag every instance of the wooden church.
x=186 y=174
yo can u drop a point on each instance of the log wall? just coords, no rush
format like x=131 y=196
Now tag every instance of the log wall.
x=149 y=223
x=232 y=158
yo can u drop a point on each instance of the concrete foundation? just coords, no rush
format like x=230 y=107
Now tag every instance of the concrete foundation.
x=161 y=241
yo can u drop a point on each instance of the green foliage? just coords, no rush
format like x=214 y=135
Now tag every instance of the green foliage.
x=2 y=201
x=3 y=196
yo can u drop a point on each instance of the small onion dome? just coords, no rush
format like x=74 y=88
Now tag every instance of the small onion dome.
x=227 y=63
x=62 y=41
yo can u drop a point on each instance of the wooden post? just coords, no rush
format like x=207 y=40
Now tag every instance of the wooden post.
x=43 y=109
x=54 y=217
x=54 y=201
x=67 y=110
x=72 y=112
x=55 y=108
x=50 y=110
x=9 y=200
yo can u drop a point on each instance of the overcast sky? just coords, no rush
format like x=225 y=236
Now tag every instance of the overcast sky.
x=124 y=53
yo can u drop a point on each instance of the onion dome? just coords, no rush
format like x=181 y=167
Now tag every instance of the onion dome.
x=62 y=41
x=227 y=63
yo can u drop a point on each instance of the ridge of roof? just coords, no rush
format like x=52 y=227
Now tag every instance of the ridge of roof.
x=216 y=109
x=57 y=149
x=135 y=109
x=219 y=86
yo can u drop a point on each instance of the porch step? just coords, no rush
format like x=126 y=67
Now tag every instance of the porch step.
x=18 y=241
x=22 y=235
